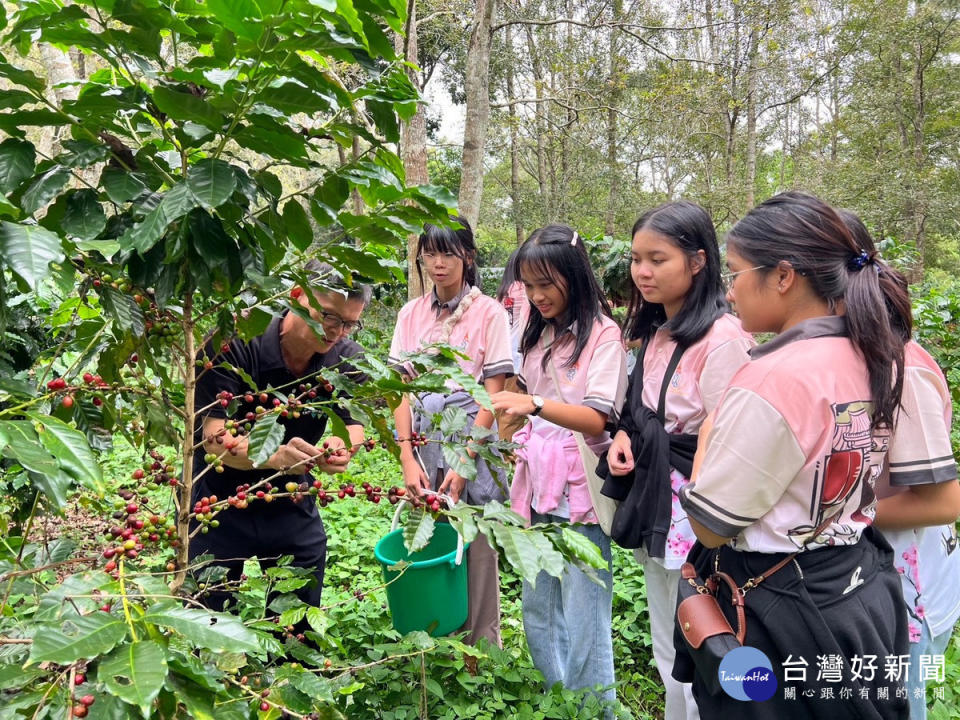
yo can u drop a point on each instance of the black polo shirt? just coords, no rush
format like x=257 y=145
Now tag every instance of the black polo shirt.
x=262 y=360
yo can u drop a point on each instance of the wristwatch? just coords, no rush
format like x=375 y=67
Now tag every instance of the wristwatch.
x=537 y=404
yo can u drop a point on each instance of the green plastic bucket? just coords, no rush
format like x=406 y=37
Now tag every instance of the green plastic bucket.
x=431 y=592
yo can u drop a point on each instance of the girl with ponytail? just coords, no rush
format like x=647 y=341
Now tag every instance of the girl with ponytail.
x=788 y=468
x=918 y=495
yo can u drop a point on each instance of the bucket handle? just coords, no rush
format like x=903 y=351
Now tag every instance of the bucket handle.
x=450 y=501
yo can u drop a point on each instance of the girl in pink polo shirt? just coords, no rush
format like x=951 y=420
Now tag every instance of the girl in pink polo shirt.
x=457 y=313
x=916 y=491
x=573 y=380
x=690 y=348
x=789 y=469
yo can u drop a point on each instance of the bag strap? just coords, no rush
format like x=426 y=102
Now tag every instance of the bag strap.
x=581 y=440
x=756 y=580
x=667 y=375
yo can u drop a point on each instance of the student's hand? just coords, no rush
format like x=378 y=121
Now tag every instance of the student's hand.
x=512 y=403
x=619 y=456
x=452 y=485
x=414 y=477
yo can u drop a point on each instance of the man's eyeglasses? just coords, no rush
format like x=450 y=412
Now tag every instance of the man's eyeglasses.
x=334 y=323
x=728 y=278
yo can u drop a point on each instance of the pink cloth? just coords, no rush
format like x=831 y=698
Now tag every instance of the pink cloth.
x=560 y=474
x=551 y=463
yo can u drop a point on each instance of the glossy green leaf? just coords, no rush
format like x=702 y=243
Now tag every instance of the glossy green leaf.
x=298 y=228
x=239 y=16
x=523 y=555
x=23 y=445
x=17 y=158
x=185 y=106
x=82 y=153
x=417 y=530
x=44 y=189
x=318 y=620
x=212 y=182
x=318 y=689
x=583 y=549
x=69 y=446
x=121 y=308
x=84 y=217
x=275 y=141
x=21 y=77
x=8 y=211
x=83 y=636
x=174 y=205
x=291 y=98
x=15 y=99
x=135 y=673
x=14 y=123
x=121 y=185
x=215 y=631
x=28 y=250
x=265 y=438
x=459 y=461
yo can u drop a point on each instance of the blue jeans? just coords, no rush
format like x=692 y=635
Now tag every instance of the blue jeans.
x=567 y=621
x=928 y=645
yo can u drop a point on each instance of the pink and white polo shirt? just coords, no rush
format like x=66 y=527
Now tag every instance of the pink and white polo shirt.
x=597 y=380
x=920 y=453
x=792 y=445
x=704 y=371
x=482 y=333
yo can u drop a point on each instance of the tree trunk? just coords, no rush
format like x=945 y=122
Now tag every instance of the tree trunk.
x=477 y=90
x=539 y=126
x=413 y=146
x=919 y=198
x=613 y=167
x=514 y=150
x=751 y=180
x=62 y=80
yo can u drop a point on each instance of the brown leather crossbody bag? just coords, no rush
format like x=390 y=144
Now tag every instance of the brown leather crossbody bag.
x=706 y=630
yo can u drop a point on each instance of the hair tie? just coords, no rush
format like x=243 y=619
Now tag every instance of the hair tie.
x=573 y=241
x=859 y=261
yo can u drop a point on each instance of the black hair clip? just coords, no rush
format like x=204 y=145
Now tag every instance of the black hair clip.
x=858 y=261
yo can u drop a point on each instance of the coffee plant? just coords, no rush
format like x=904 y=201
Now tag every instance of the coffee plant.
x=211 y=150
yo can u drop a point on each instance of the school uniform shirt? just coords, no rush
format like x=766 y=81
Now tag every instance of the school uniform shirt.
x=482 y=333
x=704 y=370
x=597 y=380
x=792 y=445
x=921 y=454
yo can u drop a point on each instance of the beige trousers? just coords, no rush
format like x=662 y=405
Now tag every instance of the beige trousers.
x=483 y=593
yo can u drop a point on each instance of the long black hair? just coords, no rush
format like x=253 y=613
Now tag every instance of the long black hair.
x=557 y=252
x=459 y=241
x=510 y=275
x=811 y=236
x=893 y=283
x=689 y=227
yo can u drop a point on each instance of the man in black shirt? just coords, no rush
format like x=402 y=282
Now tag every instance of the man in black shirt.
x=287 y=355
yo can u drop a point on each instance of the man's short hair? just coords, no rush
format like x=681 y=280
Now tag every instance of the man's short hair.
x=324 y=275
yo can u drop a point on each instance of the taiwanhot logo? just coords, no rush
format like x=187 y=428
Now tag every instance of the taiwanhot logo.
x=746 y=674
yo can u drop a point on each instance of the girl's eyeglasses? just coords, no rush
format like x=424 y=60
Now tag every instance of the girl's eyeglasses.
x=728 y=278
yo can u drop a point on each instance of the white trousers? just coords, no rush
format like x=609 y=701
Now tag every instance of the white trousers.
x=662 y=606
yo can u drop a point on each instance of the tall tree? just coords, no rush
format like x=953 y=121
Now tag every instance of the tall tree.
x=477 y=90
